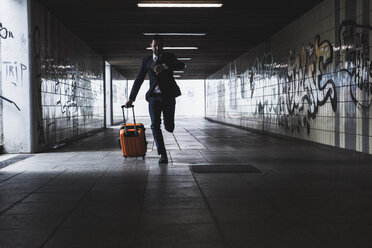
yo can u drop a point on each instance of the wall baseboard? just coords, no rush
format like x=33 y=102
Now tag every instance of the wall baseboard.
x=351 y=153
x=68 y=141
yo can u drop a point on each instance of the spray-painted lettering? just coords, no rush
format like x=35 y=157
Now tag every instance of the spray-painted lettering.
x=5 y=33
x=354 y=41
x=14 y=72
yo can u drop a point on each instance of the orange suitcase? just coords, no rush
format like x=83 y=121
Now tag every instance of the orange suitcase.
x=132 y=138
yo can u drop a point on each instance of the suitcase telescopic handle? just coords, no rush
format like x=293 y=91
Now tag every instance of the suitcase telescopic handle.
x=134 y=119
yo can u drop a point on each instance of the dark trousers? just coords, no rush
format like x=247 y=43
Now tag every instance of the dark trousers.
x=157 y=105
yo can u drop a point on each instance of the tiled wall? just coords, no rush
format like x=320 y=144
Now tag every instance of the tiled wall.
x=119 y=95
x=311 y=80
x=69 y=75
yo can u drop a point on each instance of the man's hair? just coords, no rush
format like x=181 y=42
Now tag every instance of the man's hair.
x=158 y=38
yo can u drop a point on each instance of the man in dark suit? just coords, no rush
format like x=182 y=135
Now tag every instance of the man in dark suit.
x=162 y=91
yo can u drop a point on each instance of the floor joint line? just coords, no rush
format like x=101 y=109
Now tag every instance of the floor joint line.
x=210 y=211
x=15 y=203
x=72 y=210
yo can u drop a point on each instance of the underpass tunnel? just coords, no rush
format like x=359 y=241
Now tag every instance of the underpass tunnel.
x=273 y=133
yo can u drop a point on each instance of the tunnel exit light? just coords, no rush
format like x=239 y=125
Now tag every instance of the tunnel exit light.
x=178 y=5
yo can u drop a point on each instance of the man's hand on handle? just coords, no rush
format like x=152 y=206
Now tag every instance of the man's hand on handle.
x=158 y=69
x=129 y=103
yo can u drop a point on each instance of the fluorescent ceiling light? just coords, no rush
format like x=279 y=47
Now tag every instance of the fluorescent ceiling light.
x=176 y=34
x=178 y=71
x=179 y=5
x=177 y=76
x=184 y=59
x=177 y=48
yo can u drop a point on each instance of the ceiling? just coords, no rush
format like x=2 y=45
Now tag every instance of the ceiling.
x=114 y=29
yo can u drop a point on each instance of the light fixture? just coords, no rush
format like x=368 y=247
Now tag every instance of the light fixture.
x=177 y=48
x=177 y=76
x=178 y=71
x=176 y=34
x=187 y=4
x=184 y=59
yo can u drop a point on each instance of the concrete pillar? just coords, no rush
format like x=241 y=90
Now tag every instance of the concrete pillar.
x=15 y=53
x=108 y=83
x=205 y=97
x=1 y=103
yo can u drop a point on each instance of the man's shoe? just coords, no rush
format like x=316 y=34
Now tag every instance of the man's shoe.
x=163 y=159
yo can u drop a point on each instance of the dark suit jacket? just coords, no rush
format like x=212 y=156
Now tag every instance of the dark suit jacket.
x=165 y=79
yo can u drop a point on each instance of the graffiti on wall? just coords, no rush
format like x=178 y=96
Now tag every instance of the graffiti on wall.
x=69 y=90
x=221 y=99
x=307 y=86
x=10 y=101
x=291 y=93
x=5 y=33
x=355 y=62
x=288 y=93
x=262 y=80
x=233 y=82
x=260 y=70
x=14 y=72
x=70 y=94
x=61 y=79
x=69 y=79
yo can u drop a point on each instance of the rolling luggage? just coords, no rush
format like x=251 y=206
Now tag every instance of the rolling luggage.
x=132 y=138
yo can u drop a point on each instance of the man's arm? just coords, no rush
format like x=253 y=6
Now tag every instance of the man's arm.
x=174 y=64
x=138 y=82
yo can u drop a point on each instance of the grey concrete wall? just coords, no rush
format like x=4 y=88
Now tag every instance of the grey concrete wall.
x=108 y=90
x=16 y=84
x=69 y=97
x=311 y=80
x=1 y=101
x=119 y=95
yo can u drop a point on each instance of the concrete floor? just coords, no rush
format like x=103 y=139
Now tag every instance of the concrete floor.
x=85 y=194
